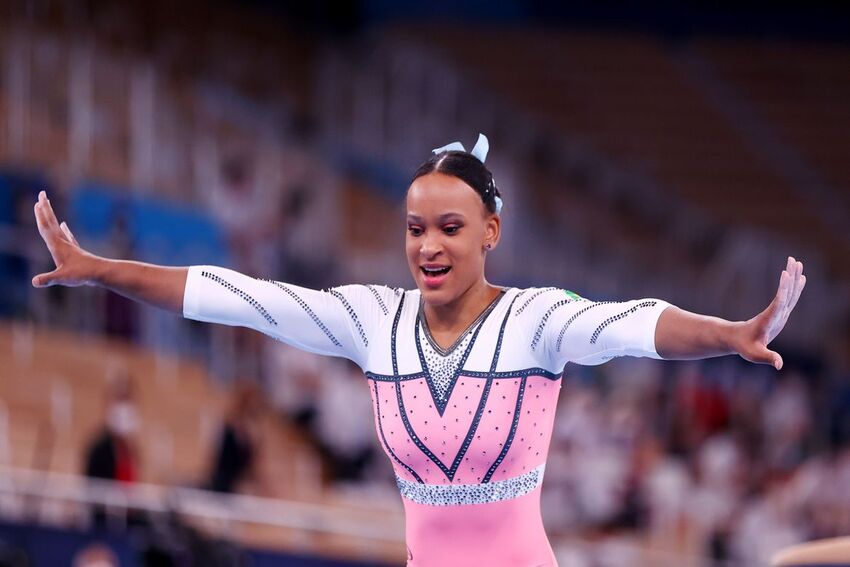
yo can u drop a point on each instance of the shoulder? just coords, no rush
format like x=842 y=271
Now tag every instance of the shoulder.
x=535 y=301
x=539 y=310
x=381 y=297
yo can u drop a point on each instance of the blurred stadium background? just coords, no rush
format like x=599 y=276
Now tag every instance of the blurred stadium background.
x=661 y=150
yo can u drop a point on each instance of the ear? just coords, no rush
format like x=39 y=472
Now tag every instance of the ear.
x=493 y=231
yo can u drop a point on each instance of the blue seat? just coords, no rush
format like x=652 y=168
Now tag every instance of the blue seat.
x=160 y=232
x=173 y=235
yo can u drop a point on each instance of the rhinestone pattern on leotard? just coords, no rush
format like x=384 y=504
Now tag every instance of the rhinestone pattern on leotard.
x=450 y=471
x=246 y=297
x=443 y=369
x=310 y=312
x=573 y=318
x=384 y=437
x=350 y=310
x=534 y=295
x=497 y=426
x=617 y=317
x=463 y=494
x=509 y=441
x=378 y=298
x=539 y=332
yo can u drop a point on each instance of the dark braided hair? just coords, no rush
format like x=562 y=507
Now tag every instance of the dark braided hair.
x=468 y=169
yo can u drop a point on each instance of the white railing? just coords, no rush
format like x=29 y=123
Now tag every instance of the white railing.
x=28 y=493
x=63 y=499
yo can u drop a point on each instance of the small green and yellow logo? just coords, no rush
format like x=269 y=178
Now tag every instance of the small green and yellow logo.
x=572 y=295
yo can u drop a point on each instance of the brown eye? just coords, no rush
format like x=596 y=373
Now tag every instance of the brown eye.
x=414 y=230
x=451 y=229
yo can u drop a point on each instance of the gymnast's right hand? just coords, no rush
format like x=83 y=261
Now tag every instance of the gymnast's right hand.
x=74 y=266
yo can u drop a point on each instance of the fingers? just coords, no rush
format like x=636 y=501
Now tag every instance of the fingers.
x=791 y=268
x=44 y=215
x=771 y=357
x=44 y=280
x=47 y=211
x=67 y=231
x=798 y=281
x=799 y=292
x=795 y=269
x=46 y=228
x=42 y=198
x=773 y=312
x=49 y=218
x=763 y=355
x=776 y=360
x=791 y=284
x=782 y=291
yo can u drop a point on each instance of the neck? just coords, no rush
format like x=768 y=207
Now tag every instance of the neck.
x=463 y=310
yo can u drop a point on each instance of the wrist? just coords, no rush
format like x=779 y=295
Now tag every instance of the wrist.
x=99 y=269
x=730 y=336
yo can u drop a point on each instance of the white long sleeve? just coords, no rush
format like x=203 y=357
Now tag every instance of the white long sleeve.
x=567 y=328
x=337 y=322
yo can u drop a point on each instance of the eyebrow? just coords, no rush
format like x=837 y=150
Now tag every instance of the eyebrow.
x=441 y=218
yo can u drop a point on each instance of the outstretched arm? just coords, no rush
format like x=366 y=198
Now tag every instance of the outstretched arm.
x=336 y=322
x=682 y=335
x=159 y=286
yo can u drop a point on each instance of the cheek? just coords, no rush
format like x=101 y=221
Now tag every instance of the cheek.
x=467 y=253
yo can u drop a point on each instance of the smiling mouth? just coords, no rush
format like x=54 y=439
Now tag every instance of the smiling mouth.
x=435 y=271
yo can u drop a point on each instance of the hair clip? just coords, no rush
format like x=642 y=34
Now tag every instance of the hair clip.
x=480 y=150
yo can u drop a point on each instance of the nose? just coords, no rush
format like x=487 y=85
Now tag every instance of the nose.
x=430 y=245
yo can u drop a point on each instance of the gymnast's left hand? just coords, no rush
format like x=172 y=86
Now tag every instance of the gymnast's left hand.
x=753 y=336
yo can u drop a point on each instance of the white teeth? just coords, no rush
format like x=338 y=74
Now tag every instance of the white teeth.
x=436 y=270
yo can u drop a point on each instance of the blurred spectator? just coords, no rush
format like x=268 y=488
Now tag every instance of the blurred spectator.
x=294 y=378
x=112 y=453
x=238 y=443
x=281 y=256
x=731 y=478
x=330 y=401
x=239 y=205
x=786 y=423
x=702 y=408
x=96 y=555
x=344 y=426
x=172 y=542
x=718 y=459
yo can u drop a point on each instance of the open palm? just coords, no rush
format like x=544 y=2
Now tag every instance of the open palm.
x=71 y=260
x=759 y=331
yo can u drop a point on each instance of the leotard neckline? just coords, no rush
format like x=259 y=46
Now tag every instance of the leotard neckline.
x=420 y=317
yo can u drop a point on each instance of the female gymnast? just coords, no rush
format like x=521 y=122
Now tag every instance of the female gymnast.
x=464 y=375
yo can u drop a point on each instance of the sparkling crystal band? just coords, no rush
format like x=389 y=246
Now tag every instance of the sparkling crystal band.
x=462 y=494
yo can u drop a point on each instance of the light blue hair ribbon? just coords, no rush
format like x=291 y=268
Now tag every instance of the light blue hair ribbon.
x=482 y=146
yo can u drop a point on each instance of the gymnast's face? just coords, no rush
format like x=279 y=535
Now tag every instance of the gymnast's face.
x=448 y=228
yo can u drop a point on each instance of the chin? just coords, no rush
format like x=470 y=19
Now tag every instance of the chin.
x=435 y=296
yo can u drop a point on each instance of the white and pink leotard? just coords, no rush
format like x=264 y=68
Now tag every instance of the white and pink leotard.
x=467 y=429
